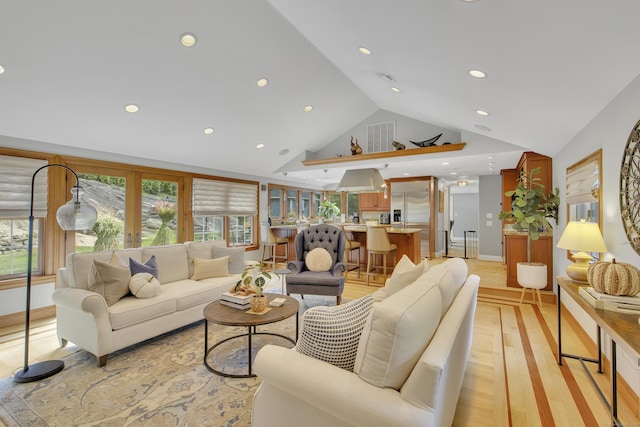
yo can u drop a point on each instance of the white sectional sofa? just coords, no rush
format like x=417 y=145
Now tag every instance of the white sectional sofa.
x=85 y=318
x=409 y=365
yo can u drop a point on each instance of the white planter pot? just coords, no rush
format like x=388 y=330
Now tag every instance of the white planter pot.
x=532 y=275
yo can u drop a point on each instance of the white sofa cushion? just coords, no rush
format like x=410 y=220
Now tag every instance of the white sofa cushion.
x=450 y=276
x=131 y=310
x=396 y=334
x=79 y=264
x=236 y=257
x=189 y=293
x=405 y=273
x=332 y=333
x=202 y=250
x=173 y=263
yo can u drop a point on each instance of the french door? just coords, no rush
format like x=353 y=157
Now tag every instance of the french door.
x=134 y=208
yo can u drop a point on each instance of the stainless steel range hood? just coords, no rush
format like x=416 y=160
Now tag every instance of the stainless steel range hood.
x=362 y=180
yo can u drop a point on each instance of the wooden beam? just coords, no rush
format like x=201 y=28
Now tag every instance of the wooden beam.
x=386 y=154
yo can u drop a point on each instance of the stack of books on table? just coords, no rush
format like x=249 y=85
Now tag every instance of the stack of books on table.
x=622 y=304
x=242 y=302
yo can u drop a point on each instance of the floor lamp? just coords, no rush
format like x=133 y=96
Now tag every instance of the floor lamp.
x=74 y=215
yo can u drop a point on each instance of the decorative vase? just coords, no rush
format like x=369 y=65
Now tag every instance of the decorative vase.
x=258 y=303
x=532 y=275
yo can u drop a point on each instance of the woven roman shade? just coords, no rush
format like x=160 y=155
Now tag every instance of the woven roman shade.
x=15 y=187
x=581 y=183
x=213 y=197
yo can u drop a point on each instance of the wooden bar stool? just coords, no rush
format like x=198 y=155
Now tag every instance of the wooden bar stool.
x=378 y=244
x=351 y=245
x=268 y=238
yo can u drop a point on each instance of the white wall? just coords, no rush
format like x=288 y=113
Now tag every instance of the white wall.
x=609 y=131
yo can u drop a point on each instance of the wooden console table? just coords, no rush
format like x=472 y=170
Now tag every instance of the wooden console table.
x=620 y=327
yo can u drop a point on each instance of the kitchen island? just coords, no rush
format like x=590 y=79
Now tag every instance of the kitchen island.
x=406 y=239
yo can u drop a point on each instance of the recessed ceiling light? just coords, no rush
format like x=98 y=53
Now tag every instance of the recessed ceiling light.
x=131 y=108
x=482 y=112
x=1 y=69
x=259 y=146
x=444 y=163
x=490 y=169
x=363 y=50
x=308 y=108
x=477 y=74
x=209 y=131
x=284 y=151
x=406 y=174
x=188 y=39
x=483 y=127
x=395 y=89
x=262 y=82
x=454 y=173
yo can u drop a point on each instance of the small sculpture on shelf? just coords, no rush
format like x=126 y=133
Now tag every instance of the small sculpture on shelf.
x=355 y=148
x=398 y=145
x=427 y=142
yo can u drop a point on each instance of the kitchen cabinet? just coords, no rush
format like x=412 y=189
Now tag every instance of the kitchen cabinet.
x=374 y=202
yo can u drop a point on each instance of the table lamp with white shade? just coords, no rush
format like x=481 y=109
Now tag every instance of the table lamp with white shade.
x=584 y=237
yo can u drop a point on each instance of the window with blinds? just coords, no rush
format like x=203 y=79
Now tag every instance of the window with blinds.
x=229 y=204
x=583 y=182
x=16 y=174
x=15 y=187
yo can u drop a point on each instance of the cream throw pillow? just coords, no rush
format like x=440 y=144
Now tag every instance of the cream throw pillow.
x=396 y=334
x=318 y=260
x=405 y=273
x=206 y=268
x=144 y=285
x=110 y=279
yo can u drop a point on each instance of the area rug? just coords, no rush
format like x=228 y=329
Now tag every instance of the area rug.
x=160 y=382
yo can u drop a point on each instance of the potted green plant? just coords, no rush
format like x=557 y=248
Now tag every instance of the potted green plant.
x=254 y=278
x=328 y=210
x=530 y=208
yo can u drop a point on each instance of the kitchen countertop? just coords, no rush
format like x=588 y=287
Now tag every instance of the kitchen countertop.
x=390 y=230
x=512 y=232
x=357 y=228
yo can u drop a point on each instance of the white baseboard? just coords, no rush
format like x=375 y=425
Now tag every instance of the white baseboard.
x=490 y=258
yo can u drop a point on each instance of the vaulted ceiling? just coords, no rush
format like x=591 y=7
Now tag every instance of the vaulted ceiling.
x=70 y=67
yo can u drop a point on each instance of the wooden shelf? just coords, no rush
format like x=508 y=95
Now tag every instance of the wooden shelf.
x=387 y=154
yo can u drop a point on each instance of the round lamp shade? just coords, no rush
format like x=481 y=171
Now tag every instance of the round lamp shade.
x=76 y=214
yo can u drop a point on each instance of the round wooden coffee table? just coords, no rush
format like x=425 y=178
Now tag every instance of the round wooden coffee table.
x=220 y=314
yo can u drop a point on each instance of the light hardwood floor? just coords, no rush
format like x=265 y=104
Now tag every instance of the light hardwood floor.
x=512 y=378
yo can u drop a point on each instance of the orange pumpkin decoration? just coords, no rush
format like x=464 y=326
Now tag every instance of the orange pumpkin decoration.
x=614 y=278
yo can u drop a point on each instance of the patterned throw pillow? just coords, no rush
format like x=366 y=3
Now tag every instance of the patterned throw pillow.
x=151 y=266
x=332 y=334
